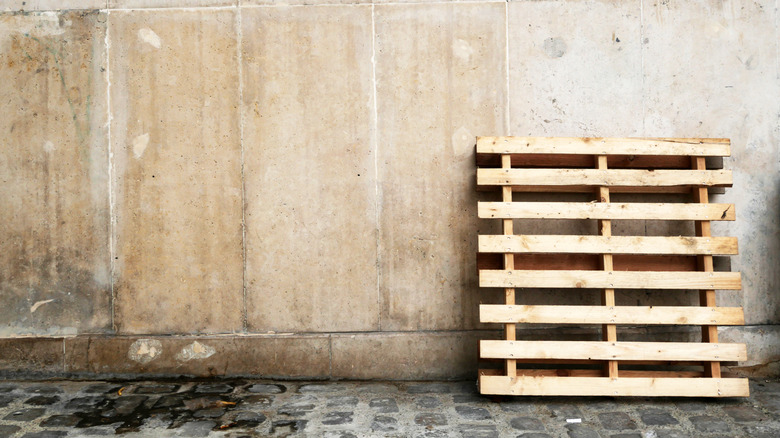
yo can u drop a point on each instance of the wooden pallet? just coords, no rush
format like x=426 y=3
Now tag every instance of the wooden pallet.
x=600 y=264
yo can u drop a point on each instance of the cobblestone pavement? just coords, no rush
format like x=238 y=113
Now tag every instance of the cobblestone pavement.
x=244 y=408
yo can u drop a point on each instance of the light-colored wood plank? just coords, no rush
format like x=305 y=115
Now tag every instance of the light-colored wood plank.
x=604 y=350
x=614 y=279
x=567 y=244
x=604 y=146
x=509 y=263
x=604 y=177
x=604 y=386
x=645 y=315
x=567 y=372
x=608 y=331
x=614 y=211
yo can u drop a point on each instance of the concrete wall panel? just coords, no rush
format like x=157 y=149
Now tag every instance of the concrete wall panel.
x=440 y=82
x=177 y=170
x=54 y=219
x=309 y=167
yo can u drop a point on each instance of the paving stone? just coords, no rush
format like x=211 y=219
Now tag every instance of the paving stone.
x=44 y=389
x=581 y=431
x=42 y=400
x=428 y=402
x=335 y=418
x=169 y=401
x=616 y=421
x=762 y=431
x=297 y=408
x=429 y=388
x=249 y=418
x=209 y=413
x=384 y=423
x=5 y=400
x=526 y=423
x=377 y=388
x=25 y=414
x=473 y=413
x=260 y=400
x=87 y=403
x=45 y=434
x=7 y=388
x=657 y=417
x=478 y=431
x=157 y=389
x=563 y=410
x=710 y=424
x=320 y=388
x=101 y=388
x=7 y=431
x=266 y=388
x=468 y=398
x=338 y=434
x=219 y=388
x=745 y=414
x=196 y=428
x=534 y=435
x=342 y=400
x=431 y=433
x=691 y=406
x=384 y=405
x=290 y=426
x=61 y=421
x=626 y=435
x=128 y=403
x=430 y=419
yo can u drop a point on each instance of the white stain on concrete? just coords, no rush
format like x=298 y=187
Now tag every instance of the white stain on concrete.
x=48 y=147
x=196 y=350
x=462 y=49
x=38 y=304
x=144 y=351
x=148 y=36
x=462 y=142
x=139 y=145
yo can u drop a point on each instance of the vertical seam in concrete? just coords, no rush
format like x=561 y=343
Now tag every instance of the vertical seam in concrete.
x=508 y=115
x=642 y=62
x=375 y=116
x=330 y=343
x=777 y=39
x=111 y=212
x=239 y=44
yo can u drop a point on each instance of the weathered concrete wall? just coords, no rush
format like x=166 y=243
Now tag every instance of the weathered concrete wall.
x=241 y=187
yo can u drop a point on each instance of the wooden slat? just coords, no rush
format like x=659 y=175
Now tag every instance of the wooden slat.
x=604 y=177
x=614 y=279
x=604 y=386
x=509 y=263
x=565 y=372
x=647 y=315
x=614 y=211
x=603 y=350
x=566 y=244
x=605 y=146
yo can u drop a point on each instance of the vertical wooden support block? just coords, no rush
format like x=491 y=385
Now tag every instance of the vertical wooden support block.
x=509 y=263
x=706 y=297
x=609 y=331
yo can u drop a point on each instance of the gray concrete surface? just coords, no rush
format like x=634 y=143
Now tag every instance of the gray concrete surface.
x=244 y=408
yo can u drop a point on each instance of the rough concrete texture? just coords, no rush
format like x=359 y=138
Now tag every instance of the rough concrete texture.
x=309 y=169
x=54 y=219
x=440 y=81
x=262 y=408
x=309 y=163
x=177 y=171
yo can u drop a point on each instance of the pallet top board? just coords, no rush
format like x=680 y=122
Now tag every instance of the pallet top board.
x=702 y=147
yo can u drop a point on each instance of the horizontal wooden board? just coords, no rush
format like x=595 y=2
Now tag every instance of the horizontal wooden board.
x=589 y=262
x=645 y=315
x=605 y=210
x=701 y=147
x=568 y=244
x=604 y=177
x=602 y=350
x=565 y=372
x=604 y=386
x=611 y=280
